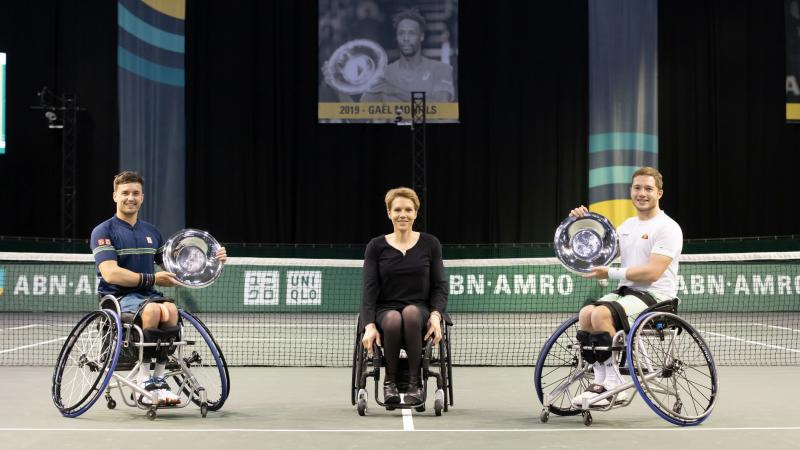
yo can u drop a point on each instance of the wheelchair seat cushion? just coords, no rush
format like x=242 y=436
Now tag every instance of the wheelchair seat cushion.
x=127 y=317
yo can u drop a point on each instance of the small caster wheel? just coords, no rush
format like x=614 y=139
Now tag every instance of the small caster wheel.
x=420 y=408
x=111 y=403
x=151 y=413
x=587 y=418
x=544 y=416
x=438 y=402
x=678 y=407
x=203 y=409
x=361 y=404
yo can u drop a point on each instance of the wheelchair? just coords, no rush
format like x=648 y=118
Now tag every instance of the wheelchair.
x=669 y=363
x=106 y=342
x=365 y=367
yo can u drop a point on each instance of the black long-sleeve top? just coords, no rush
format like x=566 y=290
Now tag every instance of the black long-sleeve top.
x=393 y=280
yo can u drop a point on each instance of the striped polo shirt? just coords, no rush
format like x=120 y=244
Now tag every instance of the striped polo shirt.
x=135 y=248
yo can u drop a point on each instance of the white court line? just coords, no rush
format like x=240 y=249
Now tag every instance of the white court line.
x=481 y=325
x=781 y=328
x=457 y=325
x=408 y=421
x=735 y=324
x=31 y=345
x=38 y=325
x=752 y=342
x=24 y=327
x=277 y=339
x=521 y=430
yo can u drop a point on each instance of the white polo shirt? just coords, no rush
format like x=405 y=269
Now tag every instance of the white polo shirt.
x=640 y=238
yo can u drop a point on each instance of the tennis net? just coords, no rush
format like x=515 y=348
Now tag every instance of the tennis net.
x=303 y=312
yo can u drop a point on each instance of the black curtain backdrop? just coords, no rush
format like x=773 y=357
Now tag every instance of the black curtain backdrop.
x=262 y=170
x=70 y=47
x=729 y=158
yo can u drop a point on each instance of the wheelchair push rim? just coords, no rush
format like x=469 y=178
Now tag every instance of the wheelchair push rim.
x=86 y=362
x=673 y=368
x=557 y=362
x=206 y=364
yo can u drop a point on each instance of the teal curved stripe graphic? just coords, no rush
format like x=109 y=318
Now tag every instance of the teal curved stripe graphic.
x=148 y=69
x=611 y=175
x=601 y=142
x=148 y=33
x=152 y=117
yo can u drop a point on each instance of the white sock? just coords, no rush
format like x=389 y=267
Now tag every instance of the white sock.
x=160 y=369
x=612 y=373
x=144 y=371
x=599 y=372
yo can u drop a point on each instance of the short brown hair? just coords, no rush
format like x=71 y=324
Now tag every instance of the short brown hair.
x=651 y=172
x=127 y=176
x=401 y=192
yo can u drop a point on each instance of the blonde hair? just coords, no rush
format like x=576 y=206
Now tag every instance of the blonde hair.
x=651 y=172
x=401 y=192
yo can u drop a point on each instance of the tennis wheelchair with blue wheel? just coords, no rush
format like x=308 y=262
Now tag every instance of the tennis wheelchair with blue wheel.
x=669 y=363
x=436 y=363
x=106 y=342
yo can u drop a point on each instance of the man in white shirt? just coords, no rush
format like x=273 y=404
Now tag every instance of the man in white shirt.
x=650 y=244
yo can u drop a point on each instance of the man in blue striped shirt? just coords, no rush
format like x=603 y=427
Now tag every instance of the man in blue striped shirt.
x=125 y=251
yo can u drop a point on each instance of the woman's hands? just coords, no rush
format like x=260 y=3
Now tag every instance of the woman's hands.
x=371 y=338
x=435 y=327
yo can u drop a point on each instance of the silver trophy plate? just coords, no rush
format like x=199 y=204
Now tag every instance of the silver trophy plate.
x=584 y=243
x=191 y=255
x=356 y=65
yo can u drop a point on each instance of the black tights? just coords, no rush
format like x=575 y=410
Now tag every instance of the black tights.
x=402 y=330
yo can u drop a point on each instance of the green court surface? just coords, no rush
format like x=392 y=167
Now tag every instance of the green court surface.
x=310 y=408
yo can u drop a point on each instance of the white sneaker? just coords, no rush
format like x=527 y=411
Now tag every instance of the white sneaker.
x=165 y=396
x=148 y=385
x=161 y=388
x=594 y=390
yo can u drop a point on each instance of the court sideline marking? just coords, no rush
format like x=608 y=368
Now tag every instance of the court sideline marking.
x=521 y=430
x=748 y=341
x=32 y=345
x=408 y=421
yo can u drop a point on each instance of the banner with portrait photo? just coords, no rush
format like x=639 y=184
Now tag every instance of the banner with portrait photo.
x=792 y=10
x=374 y=53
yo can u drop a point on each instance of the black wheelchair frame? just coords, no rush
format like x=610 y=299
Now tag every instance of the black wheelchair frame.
x=365 y=367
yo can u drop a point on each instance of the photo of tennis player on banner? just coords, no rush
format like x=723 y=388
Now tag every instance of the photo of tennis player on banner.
x=374 y=53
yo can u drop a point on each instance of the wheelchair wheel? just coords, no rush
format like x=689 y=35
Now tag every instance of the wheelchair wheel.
x=86 y=362
x=357 y=367
x=557 y=374
x=449 y=356
x=445 y=370
x=674 y=370
x=205 y=362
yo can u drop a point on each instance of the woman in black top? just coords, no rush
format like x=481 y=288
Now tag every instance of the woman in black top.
x=404 y=289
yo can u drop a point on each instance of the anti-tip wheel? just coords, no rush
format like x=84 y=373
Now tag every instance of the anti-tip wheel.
x=587 y=418
x=151 y=413
x=544 y=416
